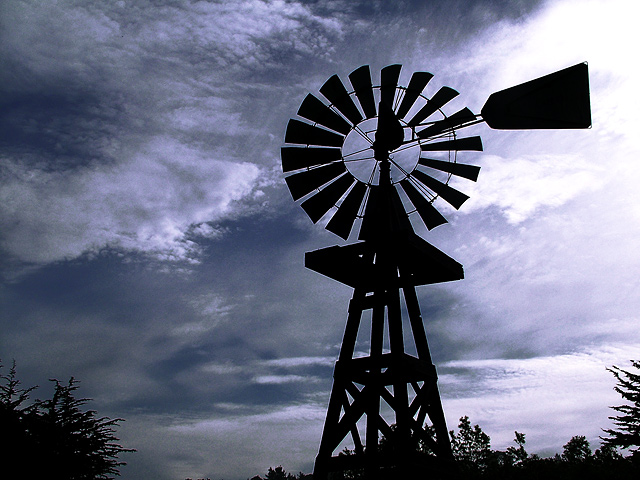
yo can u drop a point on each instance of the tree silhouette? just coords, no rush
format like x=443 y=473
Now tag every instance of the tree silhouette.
x=279 y=474
x=476 y=461
x=518 y=454
x=14 y=418
x=471 y=447
x=59 y=439
x=627 y=431
x=577 y=450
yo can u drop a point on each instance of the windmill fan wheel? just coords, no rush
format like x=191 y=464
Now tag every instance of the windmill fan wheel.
x=334 y=151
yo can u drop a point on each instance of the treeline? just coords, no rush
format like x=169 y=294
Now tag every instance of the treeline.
x=475 y=460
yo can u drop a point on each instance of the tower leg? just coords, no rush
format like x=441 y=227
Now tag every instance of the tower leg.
x=338 y=399
x=432 y=403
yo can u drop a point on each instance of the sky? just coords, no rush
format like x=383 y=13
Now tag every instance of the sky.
x=150 y=249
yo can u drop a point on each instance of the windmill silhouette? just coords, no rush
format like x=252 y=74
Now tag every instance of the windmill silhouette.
x=373 y=160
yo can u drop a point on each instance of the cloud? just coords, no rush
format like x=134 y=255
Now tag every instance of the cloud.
x=230 y=34
x=145 y=204
x=240 y=446
x=559 y=34
x=130 y=130
x=301 y=361
x=520 y=186
x=549 y=398
x=278 y=379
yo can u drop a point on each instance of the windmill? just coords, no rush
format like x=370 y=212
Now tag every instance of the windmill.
x=372 y=161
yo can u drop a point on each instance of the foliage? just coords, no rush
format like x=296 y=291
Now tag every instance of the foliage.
x=470 y=446
x=627 y=432
x=576 y=450
x=279 y=473
x=60 y=439
x=517 y=455
x=476 y=460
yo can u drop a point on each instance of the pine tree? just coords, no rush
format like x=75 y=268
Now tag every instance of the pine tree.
x=627 y=431
x=83 y=445
x=15 y=414
x=54 y=438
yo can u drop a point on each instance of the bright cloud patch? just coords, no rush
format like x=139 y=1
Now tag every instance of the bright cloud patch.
x=520 y=186
x=301 y=361
x=279 y=379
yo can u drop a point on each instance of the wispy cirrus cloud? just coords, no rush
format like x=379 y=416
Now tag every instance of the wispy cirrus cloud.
x=289 y=431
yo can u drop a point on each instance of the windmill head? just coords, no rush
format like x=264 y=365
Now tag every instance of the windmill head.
x=390 y=120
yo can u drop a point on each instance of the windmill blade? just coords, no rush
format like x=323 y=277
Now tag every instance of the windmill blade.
x=361 y=82
x=417 y=83
x=295 y=158
x=326 y=198
x=305 y=134
x=442 y=96
x=342 y=222
x=388 y=83
x=557 y=100
x=316 y=111
x=428 y=213
x=468 y=143
x=463 y=116
x=449 y=194
x=334 y=91
x=305 y=182
x=459 y=169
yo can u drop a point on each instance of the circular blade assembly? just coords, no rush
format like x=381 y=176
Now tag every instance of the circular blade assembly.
x=339 y=152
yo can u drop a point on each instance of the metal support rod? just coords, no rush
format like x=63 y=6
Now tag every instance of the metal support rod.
x=373 y=401
x=402 y=434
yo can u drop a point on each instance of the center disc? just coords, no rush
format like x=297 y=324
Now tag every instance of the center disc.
x=358 y=155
